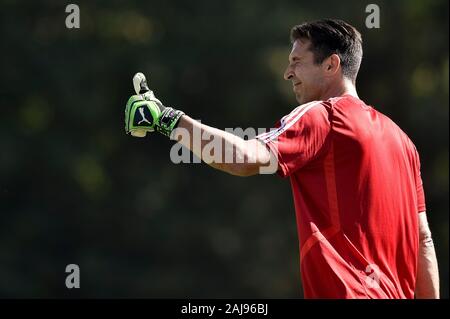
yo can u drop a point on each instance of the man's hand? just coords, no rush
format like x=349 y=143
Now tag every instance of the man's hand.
x=145 y=113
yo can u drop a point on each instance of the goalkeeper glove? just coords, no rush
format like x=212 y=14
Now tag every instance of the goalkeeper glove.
x=145 y=113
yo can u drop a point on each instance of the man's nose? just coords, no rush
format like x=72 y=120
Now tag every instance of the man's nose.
x=288 y=74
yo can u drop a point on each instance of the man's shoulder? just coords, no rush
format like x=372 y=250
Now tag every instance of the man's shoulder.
x=346 y=100
x=390 y=125
x=303 y=112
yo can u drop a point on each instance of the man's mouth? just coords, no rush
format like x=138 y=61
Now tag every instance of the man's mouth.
x=297 y=83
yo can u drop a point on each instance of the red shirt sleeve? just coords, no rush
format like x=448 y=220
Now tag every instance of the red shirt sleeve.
x=298 y=137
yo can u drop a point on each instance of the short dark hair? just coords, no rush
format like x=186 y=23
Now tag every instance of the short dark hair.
x=329 y=36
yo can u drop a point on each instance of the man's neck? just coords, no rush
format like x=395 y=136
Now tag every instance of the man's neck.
x=346 y=87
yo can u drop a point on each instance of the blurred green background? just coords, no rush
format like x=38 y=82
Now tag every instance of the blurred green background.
x=75 y=189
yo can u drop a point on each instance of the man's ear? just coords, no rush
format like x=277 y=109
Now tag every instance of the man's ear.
x=332 y=64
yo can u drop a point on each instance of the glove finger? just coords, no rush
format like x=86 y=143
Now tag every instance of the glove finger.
x=149 y=95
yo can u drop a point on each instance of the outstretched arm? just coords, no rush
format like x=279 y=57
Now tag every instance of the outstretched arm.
x=223 y=150
x=220 y=149
x=427 y=284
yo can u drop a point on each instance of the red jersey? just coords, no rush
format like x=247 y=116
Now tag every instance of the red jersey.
x=357 y=190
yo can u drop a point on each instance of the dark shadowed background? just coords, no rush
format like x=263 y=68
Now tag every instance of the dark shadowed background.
x=75 y=189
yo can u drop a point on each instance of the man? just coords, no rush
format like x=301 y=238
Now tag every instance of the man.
x=355 y=175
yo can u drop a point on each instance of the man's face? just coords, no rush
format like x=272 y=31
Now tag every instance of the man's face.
x=307 y=77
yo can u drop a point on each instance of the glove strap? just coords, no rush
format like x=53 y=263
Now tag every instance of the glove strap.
x=168 y=121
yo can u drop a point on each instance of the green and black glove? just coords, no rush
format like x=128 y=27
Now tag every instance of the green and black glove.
x=145 y=113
